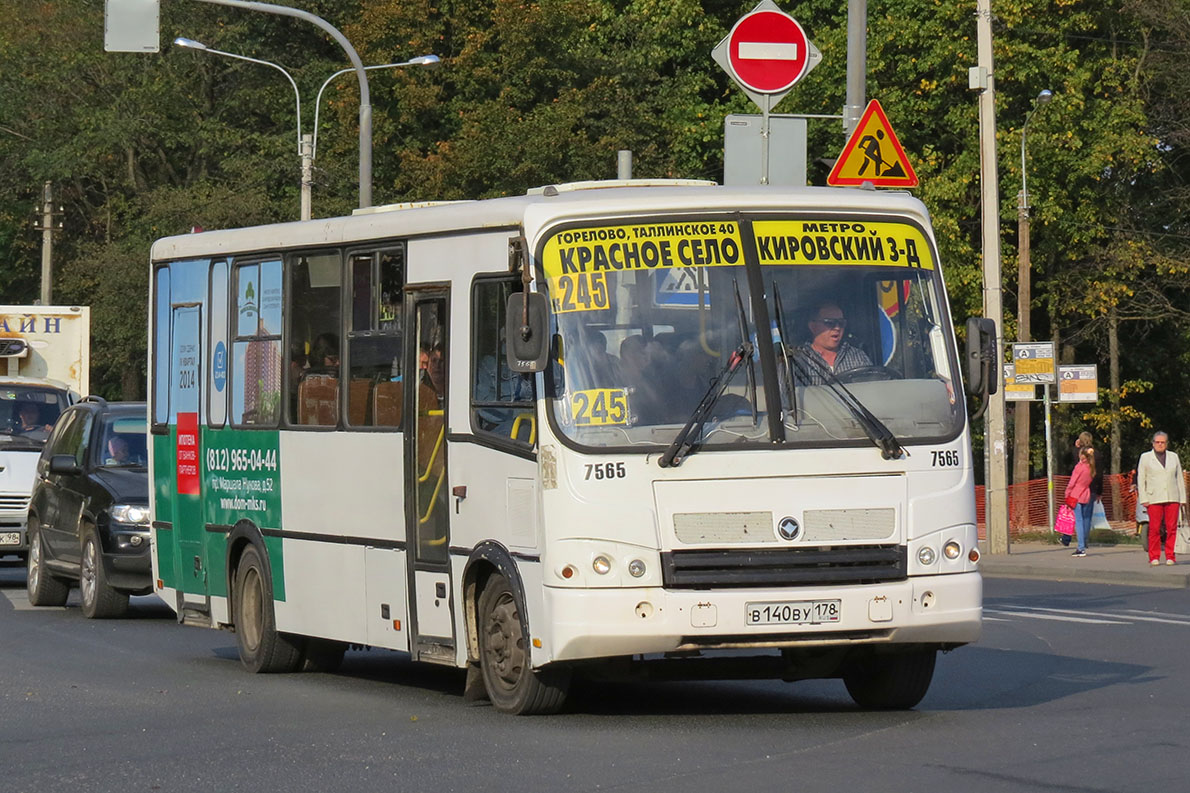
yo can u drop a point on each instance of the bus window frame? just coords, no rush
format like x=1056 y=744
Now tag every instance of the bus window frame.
x=492 y=439
x=210 y=390
x=289 y=387
x=158 y=427
x=375 y=250
x=234 y=265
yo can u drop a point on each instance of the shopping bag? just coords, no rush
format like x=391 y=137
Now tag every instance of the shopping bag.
x=1181 y=545
x=1064 y=524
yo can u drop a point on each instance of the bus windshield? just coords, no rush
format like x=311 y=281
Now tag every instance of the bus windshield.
x=647 y=316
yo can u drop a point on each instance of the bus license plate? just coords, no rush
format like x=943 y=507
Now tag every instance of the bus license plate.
x=10 y=538
x=796 y=612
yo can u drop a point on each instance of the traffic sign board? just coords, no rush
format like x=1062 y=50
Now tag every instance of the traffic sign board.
x=1012 y=391
x=767 y=51
x=1078 y=383
x=1034 y=361
x=722 y=54
x=873 y=154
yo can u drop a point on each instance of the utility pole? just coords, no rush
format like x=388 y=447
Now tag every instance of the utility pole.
x=47 y=225
x=1024 y=297
x=996 y=486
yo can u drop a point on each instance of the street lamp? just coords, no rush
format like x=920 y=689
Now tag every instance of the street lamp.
x=420 y=60
x=1020 y=451
x=303 y=145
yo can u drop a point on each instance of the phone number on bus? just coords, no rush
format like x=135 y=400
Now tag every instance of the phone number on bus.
x=241 y=460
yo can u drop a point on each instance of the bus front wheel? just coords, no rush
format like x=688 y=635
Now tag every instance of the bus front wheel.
x=512 y=684
x=262 y=647
x=896 y=681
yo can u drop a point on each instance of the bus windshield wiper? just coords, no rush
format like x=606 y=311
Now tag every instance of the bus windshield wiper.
x=780 y=333
x=881 y=435
x=683 y=443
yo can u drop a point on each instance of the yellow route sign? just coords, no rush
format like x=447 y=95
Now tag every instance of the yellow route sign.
x=873 y=154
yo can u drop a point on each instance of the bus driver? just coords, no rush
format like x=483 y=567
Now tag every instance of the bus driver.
x=828 y=326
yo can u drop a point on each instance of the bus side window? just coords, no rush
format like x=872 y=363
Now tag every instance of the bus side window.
x=375 y=388
x=256 y=347
x=502 y=401
x=315 y=325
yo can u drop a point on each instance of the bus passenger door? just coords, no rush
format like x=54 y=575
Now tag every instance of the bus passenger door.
x=185 y=373
x=427 y=511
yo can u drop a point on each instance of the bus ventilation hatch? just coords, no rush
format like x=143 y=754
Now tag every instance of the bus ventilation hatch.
x=852 y=564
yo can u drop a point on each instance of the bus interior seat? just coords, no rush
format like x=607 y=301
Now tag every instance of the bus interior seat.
x=388 y=403
x=318 y=400
x=359 y=396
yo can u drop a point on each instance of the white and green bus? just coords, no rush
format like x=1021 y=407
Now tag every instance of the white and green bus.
x=579 y=431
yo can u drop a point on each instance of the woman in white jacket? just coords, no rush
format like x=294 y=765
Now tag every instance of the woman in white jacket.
x=1161 y=488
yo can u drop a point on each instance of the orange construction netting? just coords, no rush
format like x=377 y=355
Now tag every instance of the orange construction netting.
x=1027 y=510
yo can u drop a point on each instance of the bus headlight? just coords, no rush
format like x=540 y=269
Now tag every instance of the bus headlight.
x=601 y=565
x=926 y=555
x=636 y=568
x=952 y=550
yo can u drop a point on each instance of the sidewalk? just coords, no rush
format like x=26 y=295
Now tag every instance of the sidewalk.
x=1124 y=565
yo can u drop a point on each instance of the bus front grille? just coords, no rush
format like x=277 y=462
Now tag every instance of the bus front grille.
x=851 y=564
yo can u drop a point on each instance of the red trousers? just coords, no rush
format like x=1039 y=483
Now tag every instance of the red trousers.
x=1163 y=515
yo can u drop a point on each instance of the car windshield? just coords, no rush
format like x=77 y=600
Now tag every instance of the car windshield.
x=648 y=315
x=124 y=443
x=27 y=414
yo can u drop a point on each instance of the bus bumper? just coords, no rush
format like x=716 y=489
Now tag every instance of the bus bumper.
x=943 y=610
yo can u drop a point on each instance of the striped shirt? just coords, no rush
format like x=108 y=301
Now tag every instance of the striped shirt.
x=846 y=359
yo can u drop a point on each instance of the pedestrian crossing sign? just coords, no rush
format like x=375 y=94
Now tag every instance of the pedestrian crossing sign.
x=873 y=154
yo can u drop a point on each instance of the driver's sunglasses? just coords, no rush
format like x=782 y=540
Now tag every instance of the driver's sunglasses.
x=830 y=323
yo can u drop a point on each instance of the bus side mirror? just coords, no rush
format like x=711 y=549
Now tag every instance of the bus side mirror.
x=982 y=367
x=526 y=327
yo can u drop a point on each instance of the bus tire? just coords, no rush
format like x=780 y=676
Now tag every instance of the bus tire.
x=97 y=599
x=262 y=647
x=322 y=655
x=42 y=587
x=896 y=681
x=512 y=684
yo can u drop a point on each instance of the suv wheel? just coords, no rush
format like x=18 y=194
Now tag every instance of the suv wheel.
x=43 y=588
x=99 y=600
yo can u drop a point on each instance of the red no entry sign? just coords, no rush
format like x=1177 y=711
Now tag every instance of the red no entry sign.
x=767 y=51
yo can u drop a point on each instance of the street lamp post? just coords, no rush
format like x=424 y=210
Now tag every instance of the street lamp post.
x=307 y=145
x=420 y=60
x=1020 y=446
x=302 y=149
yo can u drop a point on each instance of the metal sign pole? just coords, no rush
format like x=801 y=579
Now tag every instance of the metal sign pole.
x=1049 y=458
x=764 y=139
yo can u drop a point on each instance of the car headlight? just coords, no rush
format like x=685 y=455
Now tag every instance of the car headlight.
x=133 y=514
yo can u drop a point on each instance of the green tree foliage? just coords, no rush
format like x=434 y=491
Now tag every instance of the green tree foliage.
x=538 y=91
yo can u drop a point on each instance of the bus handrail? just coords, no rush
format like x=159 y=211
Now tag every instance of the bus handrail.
x=516 y=427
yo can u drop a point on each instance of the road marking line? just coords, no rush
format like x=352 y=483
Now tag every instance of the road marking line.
x=1158 y=614
x=1182 y=621
x=1056 y=617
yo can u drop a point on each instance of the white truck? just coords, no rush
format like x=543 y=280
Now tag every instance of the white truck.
x=45 y=364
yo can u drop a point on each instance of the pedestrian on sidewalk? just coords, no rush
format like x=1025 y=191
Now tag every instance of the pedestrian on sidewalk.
x=1162 y=489
x=1078 y=497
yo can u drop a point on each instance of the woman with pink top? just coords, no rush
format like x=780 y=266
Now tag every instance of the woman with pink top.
x=1078 y=497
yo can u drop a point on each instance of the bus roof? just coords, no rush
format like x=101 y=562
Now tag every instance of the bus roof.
x=533 y=211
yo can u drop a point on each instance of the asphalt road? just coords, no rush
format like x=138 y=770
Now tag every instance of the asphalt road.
x=1074 y=687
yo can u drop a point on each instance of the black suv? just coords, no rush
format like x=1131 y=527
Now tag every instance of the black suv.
x=89 y=514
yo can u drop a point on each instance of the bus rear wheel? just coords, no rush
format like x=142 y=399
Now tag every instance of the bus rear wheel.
x=262 y=647
x=896 y=681
x=512 y=684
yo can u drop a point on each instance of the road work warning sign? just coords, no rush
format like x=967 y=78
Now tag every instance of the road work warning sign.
x=873 y=154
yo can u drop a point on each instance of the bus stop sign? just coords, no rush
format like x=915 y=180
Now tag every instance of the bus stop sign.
x=767 y=51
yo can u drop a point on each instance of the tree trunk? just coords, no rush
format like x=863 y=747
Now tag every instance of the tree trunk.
x=132 y=383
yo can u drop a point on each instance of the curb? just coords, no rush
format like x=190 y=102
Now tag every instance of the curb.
x=1162 y=579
